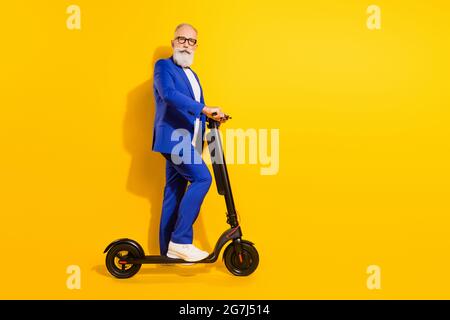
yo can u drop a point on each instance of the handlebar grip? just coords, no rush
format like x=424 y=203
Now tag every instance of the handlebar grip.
x=226 y=116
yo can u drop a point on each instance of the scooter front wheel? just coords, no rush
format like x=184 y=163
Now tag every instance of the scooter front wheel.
x=115 y=260
x=243 y=264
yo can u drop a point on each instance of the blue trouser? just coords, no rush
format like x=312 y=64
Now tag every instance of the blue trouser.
x=181 y=205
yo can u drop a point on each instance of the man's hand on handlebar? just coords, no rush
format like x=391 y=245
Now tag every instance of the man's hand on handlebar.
x=215 y=113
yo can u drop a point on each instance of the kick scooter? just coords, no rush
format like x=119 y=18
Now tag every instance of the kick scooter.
x=125 y=256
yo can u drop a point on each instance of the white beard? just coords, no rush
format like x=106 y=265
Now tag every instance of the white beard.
x=183 y=59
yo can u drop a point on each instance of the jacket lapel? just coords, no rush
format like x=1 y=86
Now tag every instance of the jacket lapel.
x=183 y=75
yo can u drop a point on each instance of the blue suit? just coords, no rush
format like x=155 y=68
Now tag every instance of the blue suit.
x=176 y=108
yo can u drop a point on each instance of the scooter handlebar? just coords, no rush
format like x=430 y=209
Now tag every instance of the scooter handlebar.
x=226 y=116
x=216 y=124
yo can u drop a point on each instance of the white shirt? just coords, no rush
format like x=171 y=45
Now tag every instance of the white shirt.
x=197 y=94
x=194 y=83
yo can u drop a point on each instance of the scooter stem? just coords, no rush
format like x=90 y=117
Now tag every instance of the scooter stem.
x=220 y=170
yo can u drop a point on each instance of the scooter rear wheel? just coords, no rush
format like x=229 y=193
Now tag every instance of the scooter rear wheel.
x=244 y=265
x=117 y=254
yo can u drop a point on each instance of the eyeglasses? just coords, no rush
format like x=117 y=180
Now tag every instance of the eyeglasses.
x=182 y=40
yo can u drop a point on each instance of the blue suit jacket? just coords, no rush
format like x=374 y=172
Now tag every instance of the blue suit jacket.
x=176 y=107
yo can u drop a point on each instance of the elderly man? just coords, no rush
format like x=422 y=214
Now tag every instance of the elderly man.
x=180 y=108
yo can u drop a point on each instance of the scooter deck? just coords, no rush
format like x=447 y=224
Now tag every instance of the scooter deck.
x=155 y=259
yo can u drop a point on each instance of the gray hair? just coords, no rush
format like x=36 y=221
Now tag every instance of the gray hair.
x=185 y=25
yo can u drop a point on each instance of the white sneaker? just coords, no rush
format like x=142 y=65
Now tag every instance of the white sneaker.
x=187 y=252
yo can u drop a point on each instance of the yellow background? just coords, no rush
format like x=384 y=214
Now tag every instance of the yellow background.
x=364 y=146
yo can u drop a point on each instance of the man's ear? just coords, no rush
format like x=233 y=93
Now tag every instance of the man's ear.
x=171 y=43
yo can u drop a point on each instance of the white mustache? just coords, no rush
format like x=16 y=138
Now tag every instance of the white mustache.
x=184 y=51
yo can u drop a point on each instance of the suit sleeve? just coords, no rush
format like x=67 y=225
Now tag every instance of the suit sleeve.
x=166 y=88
